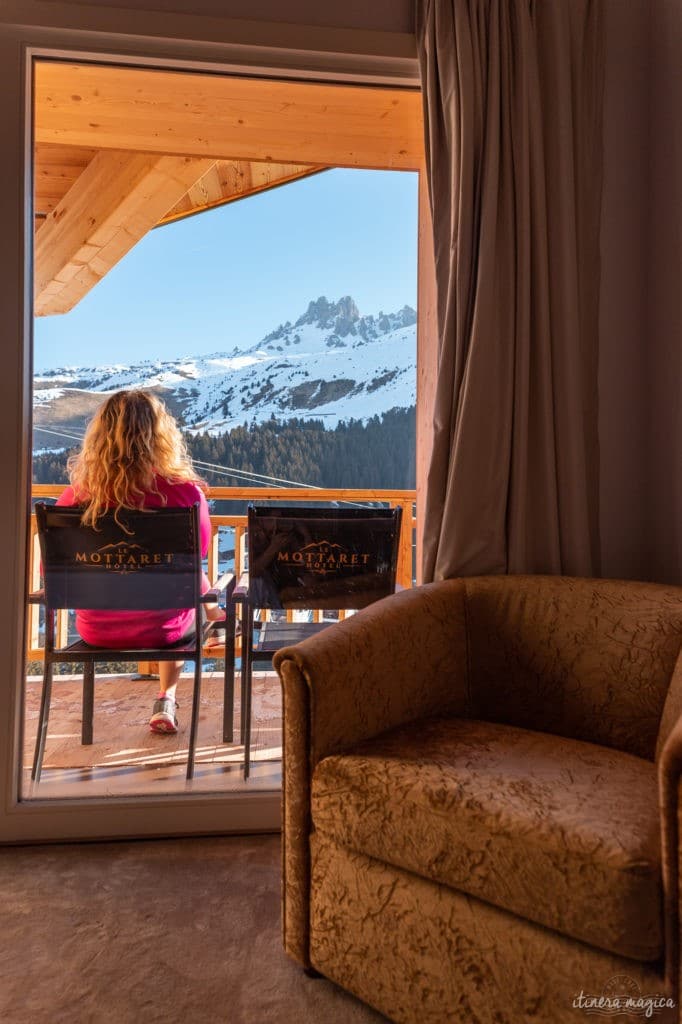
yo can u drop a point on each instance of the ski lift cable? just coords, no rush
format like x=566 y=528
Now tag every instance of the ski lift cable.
x=213 y=467
x=279 y=482
x=263 y=476
x=236 y=474
x=58 y=433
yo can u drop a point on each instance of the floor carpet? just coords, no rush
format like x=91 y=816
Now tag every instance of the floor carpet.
x=175 y=930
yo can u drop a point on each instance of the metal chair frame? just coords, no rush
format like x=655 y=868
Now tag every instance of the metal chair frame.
x=67 y=586
x=342 y=590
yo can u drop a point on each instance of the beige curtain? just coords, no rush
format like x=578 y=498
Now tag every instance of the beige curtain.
x=512 y=98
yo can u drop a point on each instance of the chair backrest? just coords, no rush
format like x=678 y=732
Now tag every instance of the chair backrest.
x=302 y=557
x=155 y=562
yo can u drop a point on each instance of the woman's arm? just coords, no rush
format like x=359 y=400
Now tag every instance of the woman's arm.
x=204 y=523
x=213 y=611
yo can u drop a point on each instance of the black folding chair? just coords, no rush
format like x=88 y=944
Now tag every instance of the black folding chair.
x=309 y=558
x=151 y=563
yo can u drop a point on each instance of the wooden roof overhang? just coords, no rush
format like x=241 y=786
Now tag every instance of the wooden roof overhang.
x=119 y=151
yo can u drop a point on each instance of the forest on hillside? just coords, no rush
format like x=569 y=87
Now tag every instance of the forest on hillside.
x=380 y=452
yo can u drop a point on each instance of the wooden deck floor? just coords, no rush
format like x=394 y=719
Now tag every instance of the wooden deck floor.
x=126 y=758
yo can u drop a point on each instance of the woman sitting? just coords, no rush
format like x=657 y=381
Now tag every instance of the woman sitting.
x=134 y=456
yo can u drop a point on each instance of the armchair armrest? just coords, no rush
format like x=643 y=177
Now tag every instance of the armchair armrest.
x=670 y=804
x=402 y=658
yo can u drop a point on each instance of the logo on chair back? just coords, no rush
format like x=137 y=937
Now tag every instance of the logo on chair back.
x=324 y=557
x=123 y=557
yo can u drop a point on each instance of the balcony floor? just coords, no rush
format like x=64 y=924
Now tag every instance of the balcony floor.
x=127 y=759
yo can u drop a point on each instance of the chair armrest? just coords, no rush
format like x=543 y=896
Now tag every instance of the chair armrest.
x=402 y=658
x=224 y=586
x=241 y=591
x=670 y=803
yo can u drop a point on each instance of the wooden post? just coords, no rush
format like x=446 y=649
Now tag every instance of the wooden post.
x=404 y=574
x=213 y=553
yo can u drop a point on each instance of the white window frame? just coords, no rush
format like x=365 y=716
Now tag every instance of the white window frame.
x=144 y=39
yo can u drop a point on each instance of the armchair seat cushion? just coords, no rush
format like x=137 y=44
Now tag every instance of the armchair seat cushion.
x=561 y=832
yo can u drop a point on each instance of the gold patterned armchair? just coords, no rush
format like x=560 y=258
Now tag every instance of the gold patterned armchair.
x=481 y=801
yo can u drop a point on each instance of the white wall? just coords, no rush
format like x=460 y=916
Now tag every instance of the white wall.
x=371 y=15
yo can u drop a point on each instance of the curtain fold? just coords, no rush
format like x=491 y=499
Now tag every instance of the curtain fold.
x=512 y=100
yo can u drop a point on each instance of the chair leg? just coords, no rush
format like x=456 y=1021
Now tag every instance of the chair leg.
x=88 y=702
x=228 y=683
x=196 y=703
x=42 y=722
x=247 y=683
x=247 y=641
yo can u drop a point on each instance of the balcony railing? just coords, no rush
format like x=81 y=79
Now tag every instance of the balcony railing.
x=237 y=523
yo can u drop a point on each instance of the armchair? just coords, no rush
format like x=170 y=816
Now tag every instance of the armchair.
x=482 y=797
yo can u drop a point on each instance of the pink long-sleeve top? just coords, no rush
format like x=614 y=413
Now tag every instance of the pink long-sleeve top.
x=152 y=628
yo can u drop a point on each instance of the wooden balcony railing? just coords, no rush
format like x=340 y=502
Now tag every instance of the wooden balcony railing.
x=237 y=523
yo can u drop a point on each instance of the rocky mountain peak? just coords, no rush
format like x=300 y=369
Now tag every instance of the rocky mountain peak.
x=407 y=316
x=328 y=314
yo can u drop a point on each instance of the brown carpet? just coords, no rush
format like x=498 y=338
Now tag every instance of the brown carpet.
x=177 y=930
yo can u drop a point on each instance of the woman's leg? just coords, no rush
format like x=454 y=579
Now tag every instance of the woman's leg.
x=163 y=718
x=163 y=715
x=169 y=675
x=214 y=613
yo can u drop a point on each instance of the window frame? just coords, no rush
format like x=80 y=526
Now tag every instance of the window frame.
x=20 y=45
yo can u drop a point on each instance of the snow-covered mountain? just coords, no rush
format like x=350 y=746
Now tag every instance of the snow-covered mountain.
x=331 y=364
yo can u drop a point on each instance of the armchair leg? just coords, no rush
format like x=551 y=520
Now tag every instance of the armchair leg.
x=42 y=722
x=88 y=702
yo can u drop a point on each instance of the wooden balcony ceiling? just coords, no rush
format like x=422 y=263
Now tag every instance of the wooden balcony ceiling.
x=119 y=151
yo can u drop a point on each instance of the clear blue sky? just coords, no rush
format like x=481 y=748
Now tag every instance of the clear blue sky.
x=229 y=276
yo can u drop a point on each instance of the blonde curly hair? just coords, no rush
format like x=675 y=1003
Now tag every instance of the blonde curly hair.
x=131 y=440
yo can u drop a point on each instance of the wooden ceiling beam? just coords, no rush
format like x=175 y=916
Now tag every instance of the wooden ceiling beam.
x=56 y=168
x=117 y=199
x=229 y=180
x=228 y=118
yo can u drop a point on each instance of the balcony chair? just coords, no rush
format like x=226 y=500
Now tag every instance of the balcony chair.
x=154 y=563
x=308 y=558
x=482 y=800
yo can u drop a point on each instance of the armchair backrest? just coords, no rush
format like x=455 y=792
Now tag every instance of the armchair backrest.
x=153 y=561
x=302 y=557
x=586 y=658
